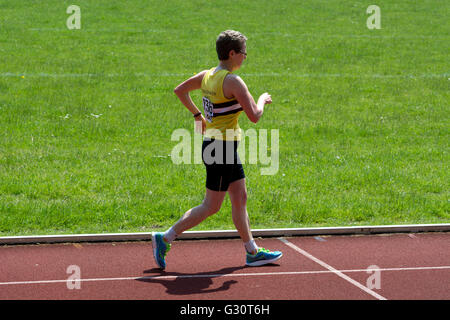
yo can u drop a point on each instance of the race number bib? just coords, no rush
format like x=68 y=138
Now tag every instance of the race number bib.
x=208 y=107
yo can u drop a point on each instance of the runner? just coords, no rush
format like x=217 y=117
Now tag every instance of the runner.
x=225 y=96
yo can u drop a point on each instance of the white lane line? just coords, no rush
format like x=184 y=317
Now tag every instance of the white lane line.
x=259 y=34
x=219 y=275
x=337 y=272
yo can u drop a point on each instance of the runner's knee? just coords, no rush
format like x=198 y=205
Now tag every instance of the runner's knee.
x=239 y=200
x=211 y=208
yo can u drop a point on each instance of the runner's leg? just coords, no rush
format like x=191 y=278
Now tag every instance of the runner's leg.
x=238 y=196
x=211 y=204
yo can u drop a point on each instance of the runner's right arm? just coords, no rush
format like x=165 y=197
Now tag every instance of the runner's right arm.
x=183 y=89
x=182 y=92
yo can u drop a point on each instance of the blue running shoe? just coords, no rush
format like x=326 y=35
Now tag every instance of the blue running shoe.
x=160 y=249
x=262 y=257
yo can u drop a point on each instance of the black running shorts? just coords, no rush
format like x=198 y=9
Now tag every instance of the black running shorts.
x=222 y=162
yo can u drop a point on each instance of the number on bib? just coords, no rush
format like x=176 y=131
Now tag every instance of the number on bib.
x=208 y=106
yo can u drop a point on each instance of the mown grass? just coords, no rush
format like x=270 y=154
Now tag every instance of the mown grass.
x=86 y=115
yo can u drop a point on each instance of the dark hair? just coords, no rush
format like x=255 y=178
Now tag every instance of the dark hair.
x=229 y=40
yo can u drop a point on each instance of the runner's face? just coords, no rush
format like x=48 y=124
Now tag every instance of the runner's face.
x=241 y=56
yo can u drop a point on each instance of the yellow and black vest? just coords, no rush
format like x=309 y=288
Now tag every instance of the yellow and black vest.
x=220 y=113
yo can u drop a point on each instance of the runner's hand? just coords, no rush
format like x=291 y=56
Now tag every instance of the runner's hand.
x=266 y=98
x=200 y=124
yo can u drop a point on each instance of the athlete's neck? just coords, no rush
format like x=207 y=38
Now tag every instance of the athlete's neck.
x=225 y=65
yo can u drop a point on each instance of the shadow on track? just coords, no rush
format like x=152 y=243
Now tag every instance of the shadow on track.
x=186 y=284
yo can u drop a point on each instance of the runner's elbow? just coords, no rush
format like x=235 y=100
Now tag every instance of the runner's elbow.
x=254 y=118
x=253 y=114
x=180 y=90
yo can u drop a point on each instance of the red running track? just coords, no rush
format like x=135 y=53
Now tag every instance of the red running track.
x=406 y=267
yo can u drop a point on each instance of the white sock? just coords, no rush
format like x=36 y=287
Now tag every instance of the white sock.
x=170 y=235
x=251 y=246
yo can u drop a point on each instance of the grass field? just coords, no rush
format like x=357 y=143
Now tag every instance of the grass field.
x=86 y=115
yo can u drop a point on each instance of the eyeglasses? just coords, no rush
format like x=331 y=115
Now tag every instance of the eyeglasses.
x=244 y=53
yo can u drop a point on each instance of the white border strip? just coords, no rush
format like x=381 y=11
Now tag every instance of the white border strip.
x=215 y=234
x=330 y=268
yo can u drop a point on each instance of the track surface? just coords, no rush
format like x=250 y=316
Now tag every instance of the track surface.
x=408 y=266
